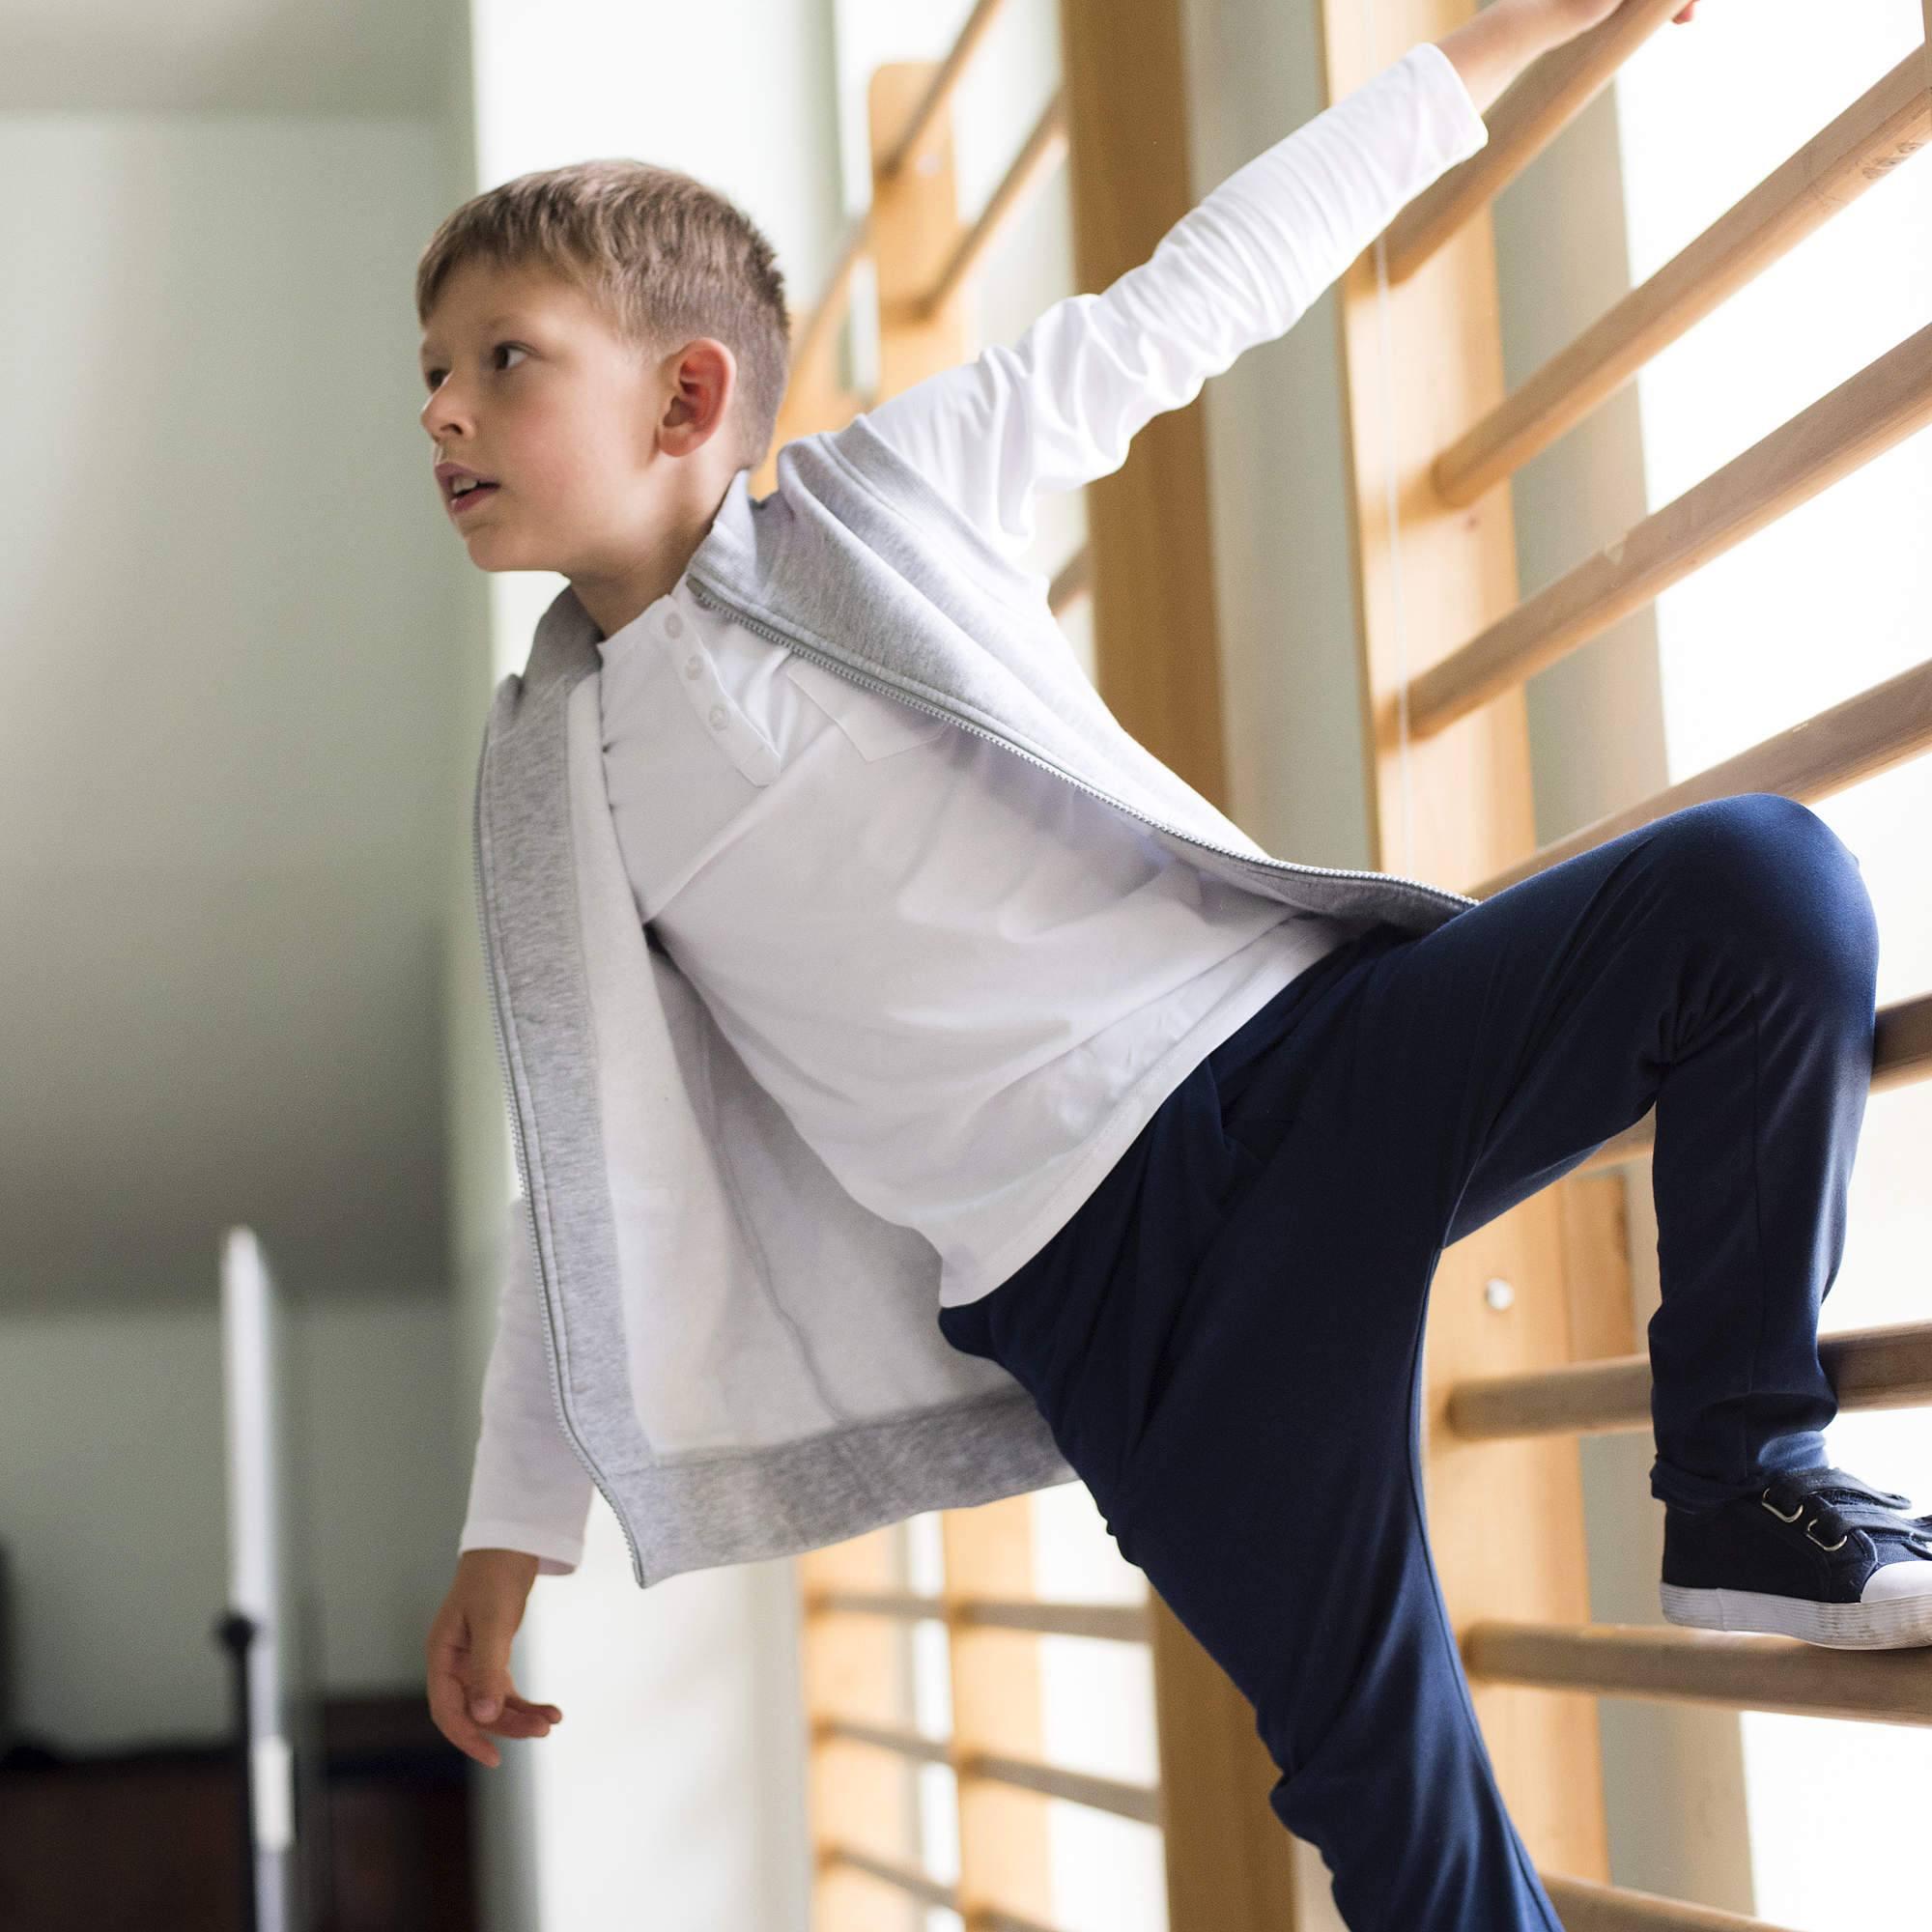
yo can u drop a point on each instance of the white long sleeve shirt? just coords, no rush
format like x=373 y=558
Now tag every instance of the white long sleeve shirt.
x=968 y=984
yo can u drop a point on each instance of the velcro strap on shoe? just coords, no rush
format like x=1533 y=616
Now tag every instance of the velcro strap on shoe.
x=1831 y=1502
x=1805 y=1483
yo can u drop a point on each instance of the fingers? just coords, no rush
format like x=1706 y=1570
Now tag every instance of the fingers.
x=471 y=1693
x=460 y=1721
x=449 y=1708
x=518 y=1718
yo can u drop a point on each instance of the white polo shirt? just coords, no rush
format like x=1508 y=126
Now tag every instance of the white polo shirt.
x=967 y=982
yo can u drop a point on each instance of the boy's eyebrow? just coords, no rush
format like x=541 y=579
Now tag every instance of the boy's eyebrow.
x=494 y=322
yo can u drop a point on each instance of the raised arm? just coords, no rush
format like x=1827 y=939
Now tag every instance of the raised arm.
x=1060 y=406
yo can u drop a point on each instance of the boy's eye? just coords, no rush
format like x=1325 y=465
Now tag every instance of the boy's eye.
x=432 y=376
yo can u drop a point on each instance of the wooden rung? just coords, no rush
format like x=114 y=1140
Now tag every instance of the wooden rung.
x=1073 y=578
x=965 y=44
x=1043 y=150
x=1113 y=1623
x=1118 y=1623
x=1531 y=113
x=903 y=1878
x=929 y=1890
x=1738 y=1670
x=1901 y=1053
x=1880 y=130
x=1139 y=1802
x=1866 y=415
x=1870 y=1368
x=1585 y=1905
x=1858 y=738
x=903 y=1606
x=810 y=329
x=906 y=1743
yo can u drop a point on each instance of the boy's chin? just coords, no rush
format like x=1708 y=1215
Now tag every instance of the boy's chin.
x=492 y=549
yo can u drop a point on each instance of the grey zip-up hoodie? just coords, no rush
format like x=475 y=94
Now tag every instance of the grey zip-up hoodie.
x=745 y=1359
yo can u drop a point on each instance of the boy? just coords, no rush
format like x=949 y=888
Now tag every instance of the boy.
x=809 y=987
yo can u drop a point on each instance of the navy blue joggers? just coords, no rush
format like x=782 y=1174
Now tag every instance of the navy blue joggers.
x=1227 y=1337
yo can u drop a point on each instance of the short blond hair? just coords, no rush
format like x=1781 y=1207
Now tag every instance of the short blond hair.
x=664 y=257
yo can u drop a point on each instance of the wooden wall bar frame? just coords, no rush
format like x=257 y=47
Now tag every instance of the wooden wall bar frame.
x=1475 y=779
x=1148 y=568
x=1151 y=554
x=1566 y=1362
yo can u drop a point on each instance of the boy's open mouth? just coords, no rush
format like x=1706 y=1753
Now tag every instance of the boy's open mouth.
x=462 y=499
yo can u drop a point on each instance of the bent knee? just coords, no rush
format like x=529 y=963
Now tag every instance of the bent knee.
x=1766 y=870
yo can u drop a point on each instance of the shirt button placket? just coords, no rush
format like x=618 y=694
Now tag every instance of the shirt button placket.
x=694 y=668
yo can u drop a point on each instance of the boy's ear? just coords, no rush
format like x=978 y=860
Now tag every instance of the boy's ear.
x=704 y=379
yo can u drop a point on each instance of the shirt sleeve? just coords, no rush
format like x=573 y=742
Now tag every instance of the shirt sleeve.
x=1059 y=407
x=527 y=1489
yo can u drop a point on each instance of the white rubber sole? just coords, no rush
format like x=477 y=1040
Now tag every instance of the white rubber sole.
x=1888 y=1624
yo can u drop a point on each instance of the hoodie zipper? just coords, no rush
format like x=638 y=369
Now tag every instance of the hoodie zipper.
x=524 y=1180
x=715 y=601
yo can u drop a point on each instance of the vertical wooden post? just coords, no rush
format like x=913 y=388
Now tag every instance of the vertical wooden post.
x=1506 y=1519
x=1003 y=1833
x=861 y=1795
x=988 y=1551
x=915 y=229
x=1157 y=637
x=1156 y=653
x=858 y=1667
x=1005 y=1850
x=1230 y=1862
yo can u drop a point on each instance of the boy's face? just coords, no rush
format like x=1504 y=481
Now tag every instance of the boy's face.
x=529 y=387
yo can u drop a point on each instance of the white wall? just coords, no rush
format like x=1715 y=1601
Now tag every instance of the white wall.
x=673 y=1790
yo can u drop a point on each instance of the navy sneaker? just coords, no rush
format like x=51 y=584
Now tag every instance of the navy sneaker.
x=1816 y=1555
